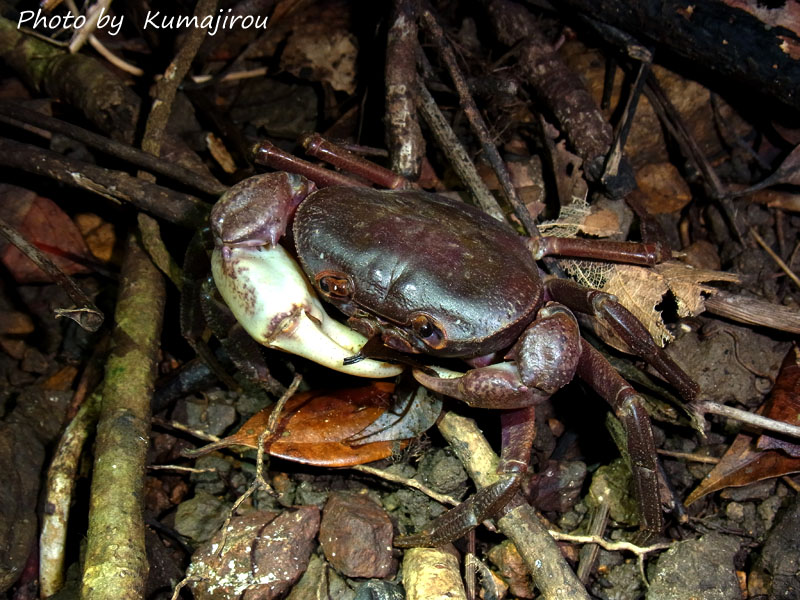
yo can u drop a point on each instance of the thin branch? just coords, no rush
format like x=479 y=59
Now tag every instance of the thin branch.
x=13 y=113
x=452 y=148
x=608 y=545
x=412 y=483
x=478 y=125
x=748 y=418
x=784 y=267
x=84 y=313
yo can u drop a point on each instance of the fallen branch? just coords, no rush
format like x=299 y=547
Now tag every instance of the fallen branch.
x=116 y=562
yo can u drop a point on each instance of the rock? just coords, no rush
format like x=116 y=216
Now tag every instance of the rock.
x=620 y=582
x=701 y=568
x=612 y=484
x=213 y=415
x=200 y=517
x=432 y=573
x=780 y=559
x=320 y=580
x=557 y=486
x=356 y=536
x=377 y=589
x=443 y=472
x=513 y=571
x=265 y=553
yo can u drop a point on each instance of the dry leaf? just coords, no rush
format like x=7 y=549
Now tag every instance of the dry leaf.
x=45 y=225
x=662 y=190
x=641 y=289
x=315 y=427
x=747 y=461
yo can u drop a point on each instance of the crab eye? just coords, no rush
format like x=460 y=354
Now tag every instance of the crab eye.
x=335 y=287
x=428 y=331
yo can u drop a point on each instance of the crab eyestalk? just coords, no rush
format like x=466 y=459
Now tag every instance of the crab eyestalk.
x=271 y=298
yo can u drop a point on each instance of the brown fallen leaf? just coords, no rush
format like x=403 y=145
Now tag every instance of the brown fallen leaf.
x=662 y=190
x=744 y=462
x=642 y=289
x=783 y=404
x=44 y=224
x=315 y=427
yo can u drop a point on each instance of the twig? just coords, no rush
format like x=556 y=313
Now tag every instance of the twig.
x=544 y=560
x=478 y=125
x=403 y=134
x=672 y=121
x=180 y=468
x=749 y=418
x=60 y=486
x=175 y=207
x=87 y=33
x=608 y=545
x=784 y=267
x=412 y=483
x=200 y=181
x=85 y=313
x=115 y=60
x=589 y=553
x=260 y=481
x=754 y=311
x=710 y=460
x=167 y=87
x=233 y=76
x=452 y=148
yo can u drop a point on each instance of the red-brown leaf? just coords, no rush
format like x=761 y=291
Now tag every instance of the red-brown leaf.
x=45 y=225
x=746 y=461
x=315 y=427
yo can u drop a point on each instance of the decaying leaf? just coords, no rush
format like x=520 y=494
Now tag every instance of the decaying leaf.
x=745 y=461
x=642 y=289
x=662 y=189
x=315 y=428
x=45 y=225
x=783 y=404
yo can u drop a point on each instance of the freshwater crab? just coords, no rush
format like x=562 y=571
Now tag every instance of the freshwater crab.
x=425 y=274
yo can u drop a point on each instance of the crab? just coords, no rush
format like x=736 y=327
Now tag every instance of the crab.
x=421 y=274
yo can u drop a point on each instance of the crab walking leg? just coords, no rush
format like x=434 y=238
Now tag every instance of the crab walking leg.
x=595 y=370
x=271 y=298
x=627 y=327
x=545 y=359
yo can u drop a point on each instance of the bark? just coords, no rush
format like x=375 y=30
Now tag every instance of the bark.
x=756 y=46
x=116 y=562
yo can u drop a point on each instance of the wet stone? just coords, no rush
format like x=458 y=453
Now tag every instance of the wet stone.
x=611 y=484
x=557 y=486
x=265 y=553
x=356 y=536
x=198 y=518
x=320 y=581
x=620 y=582
x=780 y=560
x=760 y=490
x=212 y=415
x=701 y=568
x=213 y=474
x=443 y=472
x=511 y=568
x=379 y=590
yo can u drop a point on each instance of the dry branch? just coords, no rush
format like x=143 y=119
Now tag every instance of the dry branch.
x=116 y=563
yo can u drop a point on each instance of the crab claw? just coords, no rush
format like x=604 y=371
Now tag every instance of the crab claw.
x=495 y=386
x=257 y=210
x=271 y=298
